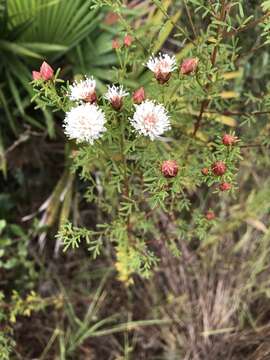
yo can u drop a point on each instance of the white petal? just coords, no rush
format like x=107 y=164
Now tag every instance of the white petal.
x=84 y=123
x=80 y=90
x=115 y=92
x=163 y=63
x=150 y=119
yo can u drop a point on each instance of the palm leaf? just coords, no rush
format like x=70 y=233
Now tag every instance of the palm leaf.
x=60 y=22
x=3 y=15
x=17 y=49
x=38 y=29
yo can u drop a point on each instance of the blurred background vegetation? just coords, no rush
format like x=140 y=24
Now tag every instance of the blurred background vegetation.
x=65 y=306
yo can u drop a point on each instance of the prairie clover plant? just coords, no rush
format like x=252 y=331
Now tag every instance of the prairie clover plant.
x=149 y=156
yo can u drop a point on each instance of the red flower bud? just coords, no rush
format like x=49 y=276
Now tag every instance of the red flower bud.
x=128 y=40
x=169 y=168
x=189 y=65
x=224 y=186
x=115 y=44
x=138 y=96
x=111 y=18
x=219 y=168
x=210 y=215
x=46 y=71
x=228 y=139
x=36 y=75
x=205 y=171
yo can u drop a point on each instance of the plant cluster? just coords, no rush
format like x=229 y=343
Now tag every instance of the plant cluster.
x=162 y=175
x=139 y=157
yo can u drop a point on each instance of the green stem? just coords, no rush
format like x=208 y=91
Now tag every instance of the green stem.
x=124 y=160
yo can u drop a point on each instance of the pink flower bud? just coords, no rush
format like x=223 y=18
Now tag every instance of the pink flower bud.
x=111 y=18
x=46 y=71
x=224 y=186
x=36 y=75
x=189 y=65
x=228 y=139
x=219 y=168
x=169 y=168
x=138 y=96
x=210 y=215
x=115 y=44
x=128 y=40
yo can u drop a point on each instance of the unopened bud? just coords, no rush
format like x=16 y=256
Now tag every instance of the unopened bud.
x=128 y=40
x=210 y=215
x=36 y=75
x=111 y=18
x=228 y=139
x=138 y=96
x=115 y=44
x=189 y=66
x=219 y=168
x=205 y=171
x=46 y=71
x=224 y=186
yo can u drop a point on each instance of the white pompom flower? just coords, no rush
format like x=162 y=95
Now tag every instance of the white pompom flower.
x=83 y=90
x=115 y=96
x=150 y=119
x=162 y=66
x=84 y=123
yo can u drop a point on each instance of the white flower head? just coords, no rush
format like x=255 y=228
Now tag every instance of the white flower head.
x=84 y=90
x=115 y=96
x=150 y=119
x=84 y=123
x=162 y=66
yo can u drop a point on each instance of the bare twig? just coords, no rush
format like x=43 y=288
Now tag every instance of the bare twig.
x=197 y=125
x=22 y=138
x=190 y=20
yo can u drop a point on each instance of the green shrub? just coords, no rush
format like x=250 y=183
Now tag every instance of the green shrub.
x=138 y=202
